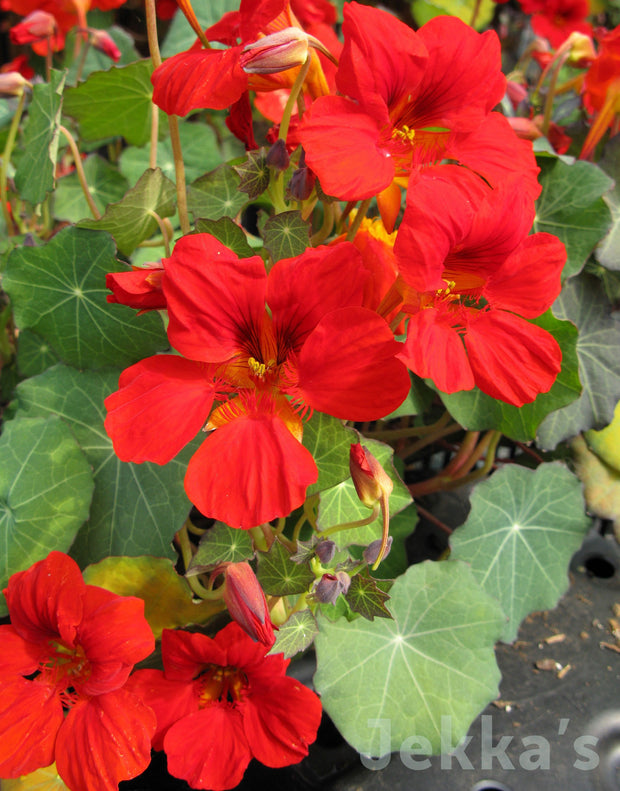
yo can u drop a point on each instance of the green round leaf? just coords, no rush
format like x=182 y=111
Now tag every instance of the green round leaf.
x=522 y=530
x=46 y=486
x=434 y=660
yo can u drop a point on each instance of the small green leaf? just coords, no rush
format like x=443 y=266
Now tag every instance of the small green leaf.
x=522 y=530
x=329 y=442
x=46 y=486
x=34 y=176
x=366 y=598
x=229 y=233
x=221 y=544
x=279 y=575
x=254 y=174
x=114 y=103
x=340 y=503
x=434 y=659
x=296 y=634
x=58 y=291
x=105 y=183
x=583 y=302
x=131 y=221
x=136 y=508
x=572 y=208
x=286 y=235
x=476 y=411
x=216 y=195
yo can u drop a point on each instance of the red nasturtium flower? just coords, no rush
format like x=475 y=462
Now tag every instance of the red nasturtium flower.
x=601 y=90
x=139 y=288
x=221 y=702
x=64 y=662
x=470 y=277
x=248 y=341
x=555 y=20
x=409 y=99
x=213 y=78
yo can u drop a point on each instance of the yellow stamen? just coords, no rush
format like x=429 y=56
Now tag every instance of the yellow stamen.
x=405 y=133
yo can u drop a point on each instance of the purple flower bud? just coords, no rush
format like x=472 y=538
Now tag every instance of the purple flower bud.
x=371 y=553
x=325 y=551
x=277 y=156
x=330 y=586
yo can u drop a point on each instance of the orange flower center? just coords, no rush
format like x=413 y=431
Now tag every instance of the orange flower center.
x=217 y=683
x=64 y=668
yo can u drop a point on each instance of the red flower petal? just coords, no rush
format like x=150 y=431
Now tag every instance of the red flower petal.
x=462 y=81
x=199 y=79
x=344 y=365
x=19 y=657
x=218 y=759
x=434 y=350
x=342 y=145
x=161 y=405
x=381 y=61
x=30 y=716
x=300 y=291
x=104 y=740
x=138 y=289
x=186 y=653
x=214 y=299
x=115 y=636
x=250 y=471
x=45 y=602
x=530 y=279
x=281 y=720
x=512 y=360
x=169 y=700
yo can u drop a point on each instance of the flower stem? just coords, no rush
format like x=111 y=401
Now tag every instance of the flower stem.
x=6 y=157
x=164 y=230
x=361 y=213
x=79 y=168
x=348 y=525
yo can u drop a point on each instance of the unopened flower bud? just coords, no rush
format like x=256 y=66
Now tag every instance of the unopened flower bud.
x=325 y=551
x=277 y=156
x=370 y=479
x=371 y=553
x=581 y=50
x=12 y=84
x=330 y=586
x=276 y=52
x=301 y=184
x=102 y=41
x=37 y=26
x=246 y=603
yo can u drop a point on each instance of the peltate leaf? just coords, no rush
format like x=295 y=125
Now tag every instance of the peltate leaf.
x=58 y=291
x=476 y=411
x=366 y=597
x=522 y=530
x=434 y=659
x=254 y=174
x=216 y=195
x=583 y=302
x=136 y=508
x=229 y=233
x=106 y=185
x=296 y=634
x=114 y=103
x=601 y=482
x=95 y=59
x=329 y=442
x=286 y=235
x=35 y=354
x=572 y=208
x=168 y=599
x=46 y=486
x=131 y=220
x=340 y=503
x=34 y=176
x=608 y=252
x=221 y=544
x=279 y=575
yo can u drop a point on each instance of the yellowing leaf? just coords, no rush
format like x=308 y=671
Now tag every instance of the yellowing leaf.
x=168 y=602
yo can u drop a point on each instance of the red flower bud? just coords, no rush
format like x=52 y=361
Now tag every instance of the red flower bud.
x=370 y=479
x=12 y=84
x=276 y=52
x=105 y=43
x=246 y=603
x=37 y=26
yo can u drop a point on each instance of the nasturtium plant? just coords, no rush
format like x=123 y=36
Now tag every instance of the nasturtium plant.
x=306 y=350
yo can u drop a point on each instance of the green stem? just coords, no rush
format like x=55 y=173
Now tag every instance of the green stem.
x=326 y=227
x=350 y=525
x=6 y=157
x=551 y=93
x=361 y=213
x=79 y=168
x=163 y=229
x=411 y=431
x=292 y=99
